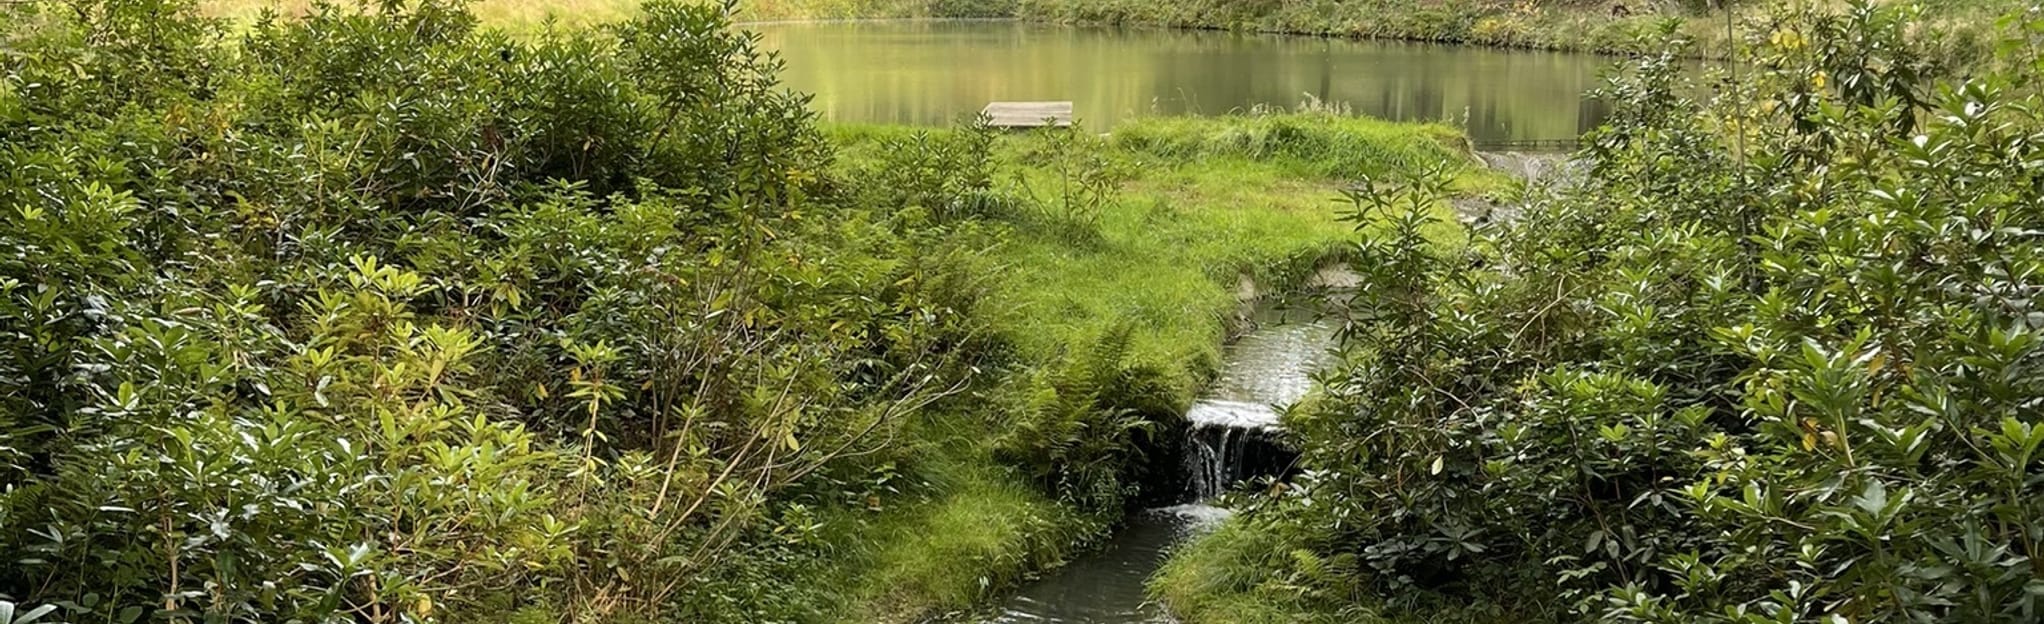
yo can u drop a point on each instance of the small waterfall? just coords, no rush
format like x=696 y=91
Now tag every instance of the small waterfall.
x=1231 y=435
x=1228 y=442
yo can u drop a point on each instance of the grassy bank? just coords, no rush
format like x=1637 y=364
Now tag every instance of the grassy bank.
x=527 y=16
x=1578 y=26
x=1224 y=576
x=1141 y=242
x=1189 y=208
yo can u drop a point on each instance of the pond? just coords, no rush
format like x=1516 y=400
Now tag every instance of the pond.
x=934 y=72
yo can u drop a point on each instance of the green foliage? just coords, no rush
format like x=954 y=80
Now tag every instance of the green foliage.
x=1768 y=360
x=1078 y=428
x=1086 y=177
x=948 y=175
x=954 y=551
x=376 y=316
x=1206 y=579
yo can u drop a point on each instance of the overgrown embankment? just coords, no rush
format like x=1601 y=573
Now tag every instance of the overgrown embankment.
x=1604 y=26
x=1563 y=25
x=1154 y=225
x=1767 y=360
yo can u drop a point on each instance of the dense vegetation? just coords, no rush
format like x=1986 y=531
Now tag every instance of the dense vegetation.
x=1769 y=356
x=380 y=315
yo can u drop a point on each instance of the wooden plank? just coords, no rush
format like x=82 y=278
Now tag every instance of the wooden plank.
x=1028 y=114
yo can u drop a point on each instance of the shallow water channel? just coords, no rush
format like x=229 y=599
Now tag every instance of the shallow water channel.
x=1270 y=366
x=934 y=72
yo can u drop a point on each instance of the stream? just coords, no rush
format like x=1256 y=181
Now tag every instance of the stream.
x=1225 y=444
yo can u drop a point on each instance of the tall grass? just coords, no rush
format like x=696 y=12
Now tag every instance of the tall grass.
x=1307 y=145
x=1225 y=577
x=983 y=533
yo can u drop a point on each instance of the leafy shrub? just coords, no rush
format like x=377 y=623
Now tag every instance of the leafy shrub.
x=950 y=174
x=375 y=316
x=1768 y=361
x=1083 y=178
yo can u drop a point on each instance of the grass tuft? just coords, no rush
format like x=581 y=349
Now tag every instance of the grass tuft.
x=1225 y=577
x=983 y=534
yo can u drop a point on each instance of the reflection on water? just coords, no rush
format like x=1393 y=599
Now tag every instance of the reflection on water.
x=932 y=72
x=1274 y=364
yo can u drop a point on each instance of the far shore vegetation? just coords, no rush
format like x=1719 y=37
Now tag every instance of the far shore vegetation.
x=1965 y=27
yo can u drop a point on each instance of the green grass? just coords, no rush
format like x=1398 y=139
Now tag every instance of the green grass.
x=1208 y=203
x=1243 y=574
x=982 y=534
x=1211 y=202
x=1225 y=577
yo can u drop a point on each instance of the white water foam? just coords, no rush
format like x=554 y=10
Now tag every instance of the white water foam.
x=1232 y=414
x=1197 y=515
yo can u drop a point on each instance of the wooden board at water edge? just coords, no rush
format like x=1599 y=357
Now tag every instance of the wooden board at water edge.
x=1028 y=114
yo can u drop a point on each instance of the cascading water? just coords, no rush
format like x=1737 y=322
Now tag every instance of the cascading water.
x=1230 y=435
x=1209 y=460
x=1220 y=456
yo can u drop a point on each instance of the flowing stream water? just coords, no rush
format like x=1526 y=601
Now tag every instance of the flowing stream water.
x=934 y=72
x=1264 y=369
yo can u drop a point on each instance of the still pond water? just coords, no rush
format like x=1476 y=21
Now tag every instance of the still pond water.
x=933 y=72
